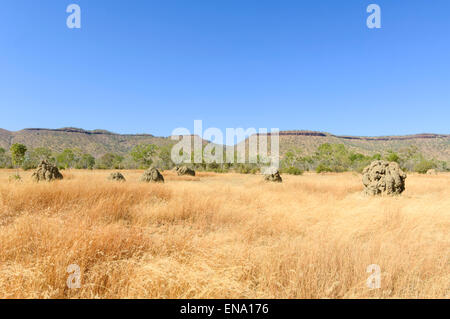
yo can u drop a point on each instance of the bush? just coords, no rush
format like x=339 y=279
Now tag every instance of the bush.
x=392 y=157
x=244 y=169
x=423 y=166
x=376 y=157
x=29 y=164
x=292 y=170
x=321 y=168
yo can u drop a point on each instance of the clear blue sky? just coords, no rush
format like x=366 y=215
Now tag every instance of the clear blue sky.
x=151 y=66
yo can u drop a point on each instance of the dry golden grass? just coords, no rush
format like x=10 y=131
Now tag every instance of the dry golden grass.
x=222 y=236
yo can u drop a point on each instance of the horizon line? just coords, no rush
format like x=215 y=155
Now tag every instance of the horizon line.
x=293 y=132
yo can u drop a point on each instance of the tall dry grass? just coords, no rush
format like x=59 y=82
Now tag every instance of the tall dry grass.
x=222 y=236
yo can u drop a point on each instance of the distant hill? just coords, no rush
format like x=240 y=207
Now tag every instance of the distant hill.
x=99 y=142
x=96 y=142
x=431 y=145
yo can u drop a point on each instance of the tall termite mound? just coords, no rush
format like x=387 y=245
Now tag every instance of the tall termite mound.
x=152 y=175
x=46 y=172
x=272 y=175
x=117 y=176
x=383 y=178
x=184 y=170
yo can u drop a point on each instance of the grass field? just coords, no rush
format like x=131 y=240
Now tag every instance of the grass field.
x=222 y=236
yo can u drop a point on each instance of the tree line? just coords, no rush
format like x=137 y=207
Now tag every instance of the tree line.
x=140 y=157
x=338 y=158
x=327 y=158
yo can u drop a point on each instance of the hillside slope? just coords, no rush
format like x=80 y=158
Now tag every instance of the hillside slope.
x=96 y=142
x=431 y=145
x=99 y=142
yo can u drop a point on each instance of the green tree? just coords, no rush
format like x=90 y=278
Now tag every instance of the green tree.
x=109 y=161
x=66 y=159
x=376 y=157
x=332 y=157
x=291 y=158
x=86 y=161
x=392 y=157
x=2 y=157
x=293 y=161
x=143 y=154
x=42 y=153
x=18 y=152
x=165 y=157
x=424 y=165
x=359 y=161
x=35 y=156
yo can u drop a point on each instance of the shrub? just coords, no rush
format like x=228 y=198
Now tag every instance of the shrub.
x=293 y=170
x=392 y=157
x=376 y=157
x=244 y=169
x=321 y=168
x=423 y=166
x=143 y=154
